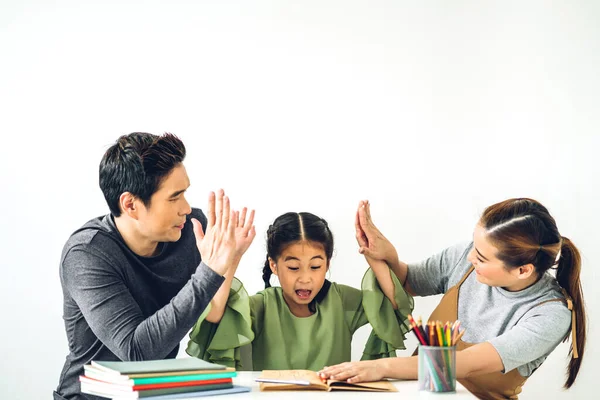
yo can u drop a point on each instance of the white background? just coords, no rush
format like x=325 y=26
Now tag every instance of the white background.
x=431 y=111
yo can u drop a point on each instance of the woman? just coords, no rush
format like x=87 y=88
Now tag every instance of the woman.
x=514 y=311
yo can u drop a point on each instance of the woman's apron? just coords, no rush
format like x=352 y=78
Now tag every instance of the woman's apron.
x=495 y=385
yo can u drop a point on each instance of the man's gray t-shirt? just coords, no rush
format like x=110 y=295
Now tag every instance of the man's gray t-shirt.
x=121 y=306
x=523 y=333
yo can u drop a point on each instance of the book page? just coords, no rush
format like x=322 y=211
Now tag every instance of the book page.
x=291 y=380
x=379 y=386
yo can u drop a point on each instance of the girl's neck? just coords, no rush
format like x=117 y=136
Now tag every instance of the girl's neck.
x=297 y=310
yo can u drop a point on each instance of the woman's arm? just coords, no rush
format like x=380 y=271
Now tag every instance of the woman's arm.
x=476 y=360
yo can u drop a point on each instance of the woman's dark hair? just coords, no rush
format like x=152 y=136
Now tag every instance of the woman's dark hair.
x=294 y=227
x=524 y=232
x=137 y=163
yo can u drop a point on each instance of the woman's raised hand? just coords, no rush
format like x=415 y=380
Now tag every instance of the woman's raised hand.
x=371 y=242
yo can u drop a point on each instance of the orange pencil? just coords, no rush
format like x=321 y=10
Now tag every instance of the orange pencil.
x=431 y=329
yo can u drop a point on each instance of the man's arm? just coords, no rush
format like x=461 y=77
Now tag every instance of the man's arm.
x=115 y=317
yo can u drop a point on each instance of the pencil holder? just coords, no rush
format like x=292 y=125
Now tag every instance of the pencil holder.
x=437 y=368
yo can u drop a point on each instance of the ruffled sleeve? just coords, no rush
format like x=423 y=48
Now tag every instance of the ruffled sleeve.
x=389 y=325
x=220 y=343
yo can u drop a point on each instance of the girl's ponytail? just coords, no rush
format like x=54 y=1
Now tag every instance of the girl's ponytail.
x=266 y=275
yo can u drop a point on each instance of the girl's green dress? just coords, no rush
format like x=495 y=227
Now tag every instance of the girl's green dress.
x=281 y=340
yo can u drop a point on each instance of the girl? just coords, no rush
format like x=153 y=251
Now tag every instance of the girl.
x=514 y=311
x=308 y=322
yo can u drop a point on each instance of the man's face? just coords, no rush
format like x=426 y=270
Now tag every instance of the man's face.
x=163 y=219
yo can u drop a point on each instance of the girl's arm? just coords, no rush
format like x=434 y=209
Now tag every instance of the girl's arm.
x=382 y=273
x=476 y=360
x=244 y=235
x=219 y=301
x=375 y=246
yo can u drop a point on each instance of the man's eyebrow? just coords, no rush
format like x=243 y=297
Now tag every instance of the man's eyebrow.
x=481 y=255
x=177 y=193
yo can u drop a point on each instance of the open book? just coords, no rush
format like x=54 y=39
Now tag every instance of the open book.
x=309 y=380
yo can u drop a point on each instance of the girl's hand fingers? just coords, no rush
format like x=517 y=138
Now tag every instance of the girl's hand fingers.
x=230 y=224
x=242 y=219
x=250 y=223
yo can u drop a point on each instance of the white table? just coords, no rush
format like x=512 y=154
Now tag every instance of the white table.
x=406 y=390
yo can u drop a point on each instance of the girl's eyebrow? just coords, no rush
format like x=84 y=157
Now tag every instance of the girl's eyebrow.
x=297 y=259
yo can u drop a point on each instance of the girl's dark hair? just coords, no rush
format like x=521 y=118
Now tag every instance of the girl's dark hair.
x=524 y=232
x=293 y=227
x=137 y=163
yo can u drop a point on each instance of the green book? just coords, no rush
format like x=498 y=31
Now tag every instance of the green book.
x=183 y=378
x=151 y=366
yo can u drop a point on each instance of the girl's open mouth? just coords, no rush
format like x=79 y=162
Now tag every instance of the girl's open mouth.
x=303 y=294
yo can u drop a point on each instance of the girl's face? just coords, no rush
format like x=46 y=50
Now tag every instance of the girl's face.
x=490 y=270
x=301 y=270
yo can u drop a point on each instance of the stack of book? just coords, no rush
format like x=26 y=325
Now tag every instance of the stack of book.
x=157 y=379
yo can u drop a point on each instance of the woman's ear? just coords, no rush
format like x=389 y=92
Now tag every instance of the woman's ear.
x=525 y=271
x=273 y=266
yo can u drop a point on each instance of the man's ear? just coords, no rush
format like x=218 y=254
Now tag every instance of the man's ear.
x=129 y=205
x=525 y=271
x=273 y=266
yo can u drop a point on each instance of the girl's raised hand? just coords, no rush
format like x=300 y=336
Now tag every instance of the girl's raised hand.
x=245 y=232
x=371 y=242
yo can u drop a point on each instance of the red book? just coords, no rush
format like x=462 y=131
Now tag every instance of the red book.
x=161 y=385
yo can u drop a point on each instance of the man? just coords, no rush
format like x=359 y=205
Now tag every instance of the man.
x=135 y=281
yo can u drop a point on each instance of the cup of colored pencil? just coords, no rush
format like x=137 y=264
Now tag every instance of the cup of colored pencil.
x=437 y=353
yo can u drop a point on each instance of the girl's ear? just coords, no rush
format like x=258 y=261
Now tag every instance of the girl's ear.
x=273 y=266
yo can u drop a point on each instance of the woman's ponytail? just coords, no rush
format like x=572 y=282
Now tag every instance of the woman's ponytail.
x=568 y=277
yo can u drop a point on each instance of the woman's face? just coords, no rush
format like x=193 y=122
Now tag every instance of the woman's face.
x=301 y=270
x=490 y=270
